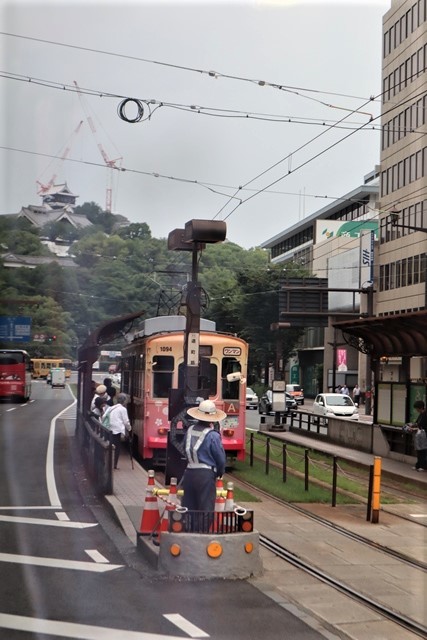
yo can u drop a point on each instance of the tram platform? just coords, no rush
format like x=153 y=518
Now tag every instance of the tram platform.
x=303 y=595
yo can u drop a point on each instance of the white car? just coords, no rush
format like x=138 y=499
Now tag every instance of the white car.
x=335 y=405
x=251 y=399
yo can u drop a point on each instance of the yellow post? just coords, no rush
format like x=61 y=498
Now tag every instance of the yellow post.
x=376 y=490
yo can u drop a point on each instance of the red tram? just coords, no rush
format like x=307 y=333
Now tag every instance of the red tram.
x=153 y=363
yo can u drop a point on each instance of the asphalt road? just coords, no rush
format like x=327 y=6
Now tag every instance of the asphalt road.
x=68 y=570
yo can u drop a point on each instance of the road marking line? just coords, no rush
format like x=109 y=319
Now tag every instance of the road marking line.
x=95 y=555
x=186 y=626
x=58 y=563
x=35 y=508
x=61 y=516
x=418 y=515
x=48 y=523
x=7 y=410
x=74 y=630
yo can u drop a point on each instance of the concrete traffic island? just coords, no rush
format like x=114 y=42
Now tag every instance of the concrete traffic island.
x=197 y=544
x=204 y=556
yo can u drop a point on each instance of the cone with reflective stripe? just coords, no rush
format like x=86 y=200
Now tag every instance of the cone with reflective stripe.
x=150 y=520
x=219 y=500
x=218 y=524
x=169 y=506
x=229 y=500
x=173 y=496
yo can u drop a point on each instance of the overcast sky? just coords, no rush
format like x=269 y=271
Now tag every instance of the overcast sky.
x=315 y=54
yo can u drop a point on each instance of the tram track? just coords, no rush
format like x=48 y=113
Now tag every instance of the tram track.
x=398 y=618
x=310 y=567
x=337 y=528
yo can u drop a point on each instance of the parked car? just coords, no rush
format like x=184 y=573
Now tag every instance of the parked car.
x=296 y=392
x=251 y=399
x=335 y=405
x=265 y=406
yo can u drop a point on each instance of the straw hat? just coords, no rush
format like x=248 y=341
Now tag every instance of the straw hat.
x=207 y=412
x=100 y=389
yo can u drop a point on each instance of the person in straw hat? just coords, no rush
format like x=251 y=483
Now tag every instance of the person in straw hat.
x=206 y=457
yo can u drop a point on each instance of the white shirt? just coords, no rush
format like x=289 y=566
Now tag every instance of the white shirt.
x=119 y=419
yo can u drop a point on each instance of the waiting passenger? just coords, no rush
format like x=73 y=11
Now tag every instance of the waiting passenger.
x=100 y=391
x=101 y=405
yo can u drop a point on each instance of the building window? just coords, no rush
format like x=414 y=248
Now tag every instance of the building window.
x=416 y=269
x=410 y=271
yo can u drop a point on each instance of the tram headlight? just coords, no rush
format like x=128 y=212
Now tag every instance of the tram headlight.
x=162 y=431
x=229 y=433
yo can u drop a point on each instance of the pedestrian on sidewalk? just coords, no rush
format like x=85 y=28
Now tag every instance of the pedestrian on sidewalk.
x=356 y=394
x=420 y=435
x=206 y=458
x=118 y=423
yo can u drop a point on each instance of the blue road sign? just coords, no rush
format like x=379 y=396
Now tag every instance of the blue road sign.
x=15 y=328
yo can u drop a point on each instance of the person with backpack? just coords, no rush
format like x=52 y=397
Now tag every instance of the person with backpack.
x=116 y=419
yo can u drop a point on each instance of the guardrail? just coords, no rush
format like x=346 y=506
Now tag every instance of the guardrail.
x=297 y=421
x=307 y=421
x=97 y=452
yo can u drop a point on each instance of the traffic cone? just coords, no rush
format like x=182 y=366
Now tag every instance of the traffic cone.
x=218 y=524
x=150 y=520
x=173 y=496
x=169 y=506
x=219 y=500
x=229 y=500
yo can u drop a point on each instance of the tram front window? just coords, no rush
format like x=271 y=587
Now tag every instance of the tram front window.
x=162 y=375
x=230 y=390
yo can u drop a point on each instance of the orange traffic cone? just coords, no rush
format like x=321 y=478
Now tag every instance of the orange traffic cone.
x=218 y=524
x=150 y=520
x=173 y=496
x=229 y=501
x=169 y=506
x=219 y=500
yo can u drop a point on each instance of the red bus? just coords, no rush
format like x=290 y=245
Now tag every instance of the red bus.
x=152 y=364
x=15 y=374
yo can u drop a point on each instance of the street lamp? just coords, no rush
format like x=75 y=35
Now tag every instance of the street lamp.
x=394 y=217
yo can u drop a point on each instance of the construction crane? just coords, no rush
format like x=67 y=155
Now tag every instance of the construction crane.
x=111 y=164
x=44 y=188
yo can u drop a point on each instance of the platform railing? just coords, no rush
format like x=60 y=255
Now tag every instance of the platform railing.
x=97 y=452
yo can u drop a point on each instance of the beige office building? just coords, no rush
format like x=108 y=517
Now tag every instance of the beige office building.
x=395 y=197
x=401 y=281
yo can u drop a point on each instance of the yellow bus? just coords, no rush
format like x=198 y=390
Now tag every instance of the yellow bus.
x=42 y=366
x=67 y=364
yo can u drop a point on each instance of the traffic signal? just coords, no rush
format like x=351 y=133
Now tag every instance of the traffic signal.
x=50 y=339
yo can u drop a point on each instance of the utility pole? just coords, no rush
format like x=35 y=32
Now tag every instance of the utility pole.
x=369 y=291
x=194 y=237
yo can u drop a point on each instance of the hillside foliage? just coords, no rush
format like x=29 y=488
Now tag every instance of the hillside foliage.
x=120 y=269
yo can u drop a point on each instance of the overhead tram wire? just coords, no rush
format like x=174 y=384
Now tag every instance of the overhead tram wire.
x=215 y=112
x=207 y=185
x=411 y=98
x=209 y=73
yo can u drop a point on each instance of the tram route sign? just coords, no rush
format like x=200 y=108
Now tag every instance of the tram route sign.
x=15 y=328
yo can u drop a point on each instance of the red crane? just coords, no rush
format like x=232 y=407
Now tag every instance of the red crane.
x=44 y=188
x=111 y=164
